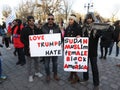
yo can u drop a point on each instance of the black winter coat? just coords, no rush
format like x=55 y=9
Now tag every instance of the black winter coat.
x=116 y=33
x=25 y=37
x=107 y=37
x=93 y=39
x=73 y=31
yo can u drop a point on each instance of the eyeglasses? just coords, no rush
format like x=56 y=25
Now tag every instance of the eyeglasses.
x=50 y=18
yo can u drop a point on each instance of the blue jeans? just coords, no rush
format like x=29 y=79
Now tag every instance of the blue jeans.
x=47 y=63
x=0 y=67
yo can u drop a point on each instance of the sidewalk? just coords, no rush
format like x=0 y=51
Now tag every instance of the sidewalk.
x=18 y=78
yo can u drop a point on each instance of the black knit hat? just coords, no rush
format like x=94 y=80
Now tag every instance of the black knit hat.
x=18 y=21
x=30 y=17
x=90 y=15
x=50 y=14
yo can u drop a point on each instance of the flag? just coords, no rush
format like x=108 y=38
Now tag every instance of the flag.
x=10 y=18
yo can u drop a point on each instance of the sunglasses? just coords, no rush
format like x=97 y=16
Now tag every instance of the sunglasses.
x=50 y=18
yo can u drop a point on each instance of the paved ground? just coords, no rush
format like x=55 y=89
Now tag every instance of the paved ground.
x=18 y=78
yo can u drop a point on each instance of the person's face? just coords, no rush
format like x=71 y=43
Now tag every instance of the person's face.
x=119 y=24
x=14 y=23
x=39 y=25
x=31 y=22
x=89 y=20
x=71 y=21
x=50 y=19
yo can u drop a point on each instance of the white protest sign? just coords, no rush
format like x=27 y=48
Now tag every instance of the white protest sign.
x=45 y=45
x=76 y=54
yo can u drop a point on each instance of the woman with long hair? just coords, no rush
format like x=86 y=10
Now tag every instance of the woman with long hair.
x=73 y=30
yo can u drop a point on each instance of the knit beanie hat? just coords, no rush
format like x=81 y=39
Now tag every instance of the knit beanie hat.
x=90 y=15
x=73 y=16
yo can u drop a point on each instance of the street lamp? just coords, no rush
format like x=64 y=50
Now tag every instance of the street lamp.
x=88 y=6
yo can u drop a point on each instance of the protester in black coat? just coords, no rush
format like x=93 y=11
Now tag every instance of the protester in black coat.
x=31 y=29
x=106 y=40
x=93 y=35
x=116 y=35
x=117 y=30
x=73 y=30
x=118 y=42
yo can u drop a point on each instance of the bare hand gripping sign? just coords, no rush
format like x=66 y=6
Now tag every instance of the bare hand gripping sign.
x=76 y=54
x=45 y=45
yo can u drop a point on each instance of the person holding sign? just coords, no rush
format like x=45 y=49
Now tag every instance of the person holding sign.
x=30 y=29
x=73 y=30
x=49 y=28
x=93 y=36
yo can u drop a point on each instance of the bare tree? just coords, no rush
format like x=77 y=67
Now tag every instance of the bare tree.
x=114 y=13
x=24 y=9
x=49 y=6
x=67 y=5
x=43 y=8
x=6 y=10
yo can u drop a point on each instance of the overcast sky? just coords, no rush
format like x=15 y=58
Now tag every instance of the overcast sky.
x=104 y=7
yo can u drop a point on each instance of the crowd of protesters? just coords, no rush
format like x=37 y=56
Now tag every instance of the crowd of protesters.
x=18 y=34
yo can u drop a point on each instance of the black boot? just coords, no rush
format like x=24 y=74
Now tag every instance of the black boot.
x=104 y=57
x=18 y=63
x=76 y=78
x=101 y=57
x=70 y=78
